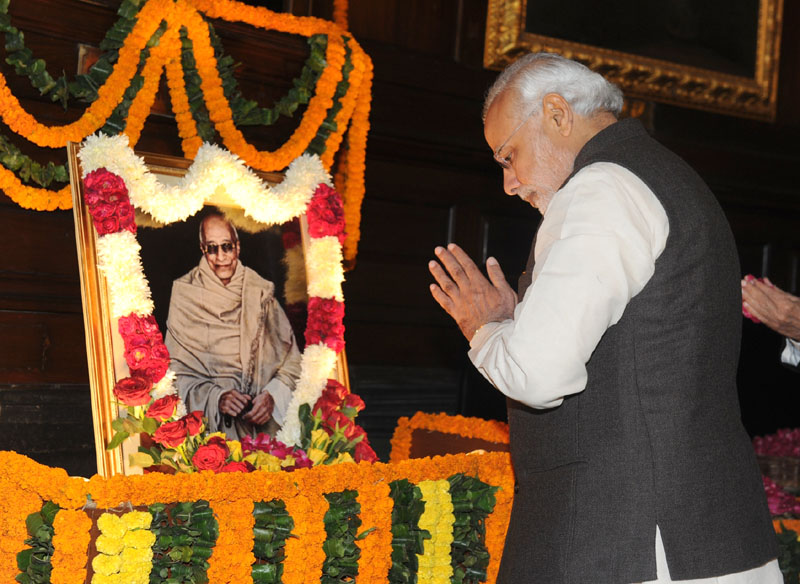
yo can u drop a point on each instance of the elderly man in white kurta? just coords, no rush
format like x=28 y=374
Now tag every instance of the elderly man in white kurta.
x=230 y=343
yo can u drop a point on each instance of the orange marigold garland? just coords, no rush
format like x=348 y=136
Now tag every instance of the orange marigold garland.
x=376 y=515
x=71 y=546
x=489 y=430
x=184 y=13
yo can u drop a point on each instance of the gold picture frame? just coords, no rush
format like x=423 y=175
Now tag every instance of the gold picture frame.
x=104 y=347
x=644 y=77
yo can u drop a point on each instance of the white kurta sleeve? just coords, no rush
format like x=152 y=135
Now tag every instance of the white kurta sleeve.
x=595 y=250
x=791 y=353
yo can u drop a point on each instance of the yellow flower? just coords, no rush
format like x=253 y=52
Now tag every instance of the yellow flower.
x=316 y=455
x=111 y=525
x=320 y=439
x=264 y=461
x=109 y=545
x=288 y=461
x=137 y=520
x=106 y=565
x=343 y=457
x=141 y=539
x=215 y=435
x=236 y=450
x=132 y=556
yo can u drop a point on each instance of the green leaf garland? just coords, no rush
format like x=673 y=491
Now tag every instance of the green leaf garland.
x=407 y=537
x=273 y=526
x=185 y=537
x=342 y=553
x=34 y=562
x=473 y=501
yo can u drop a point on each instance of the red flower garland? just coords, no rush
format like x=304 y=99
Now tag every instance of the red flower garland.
x=325 y=214
x=107 y=198
x=325 y=322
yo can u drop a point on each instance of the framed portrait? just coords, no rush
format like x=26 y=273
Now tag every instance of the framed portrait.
x=714 y=55
x=176 y=258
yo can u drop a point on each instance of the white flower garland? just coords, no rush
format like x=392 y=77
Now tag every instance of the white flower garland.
x=215 y=168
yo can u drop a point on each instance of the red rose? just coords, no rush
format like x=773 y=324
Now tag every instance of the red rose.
x=171 y=434
x=219 y=441
x=364 y=451
x=210 y=457
x=153 y=369
x=133 y=391
x=148 y=325
x=107 y=225
x=135 y=356
x=159 y=351
x=326 y=214
x=163 y=408
x=137 y=339
x=103 y=210
x=337 y=418
x=237 y=467
x=354 y=431
x=325 y=323
x=353 y=401
x=194 y=422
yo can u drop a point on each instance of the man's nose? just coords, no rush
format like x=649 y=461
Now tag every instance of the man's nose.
x=510 y=181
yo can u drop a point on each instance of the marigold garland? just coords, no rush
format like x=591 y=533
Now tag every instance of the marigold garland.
x=71 y=546
x=352 y=115
x=488 y=430
x=434 y=564
x=231 y=497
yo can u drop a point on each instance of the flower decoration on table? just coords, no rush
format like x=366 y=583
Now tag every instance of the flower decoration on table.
x=468 y=427
x=116 y=179
x=780 y=502
x=315 y=524
x=785 y=442
x=155 y=37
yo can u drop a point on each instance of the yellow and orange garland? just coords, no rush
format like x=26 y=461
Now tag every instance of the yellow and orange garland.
x=352 y=118
x=27 y=484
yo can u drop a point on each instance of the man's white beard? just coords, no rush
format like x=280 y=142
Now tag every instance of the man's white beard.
x=557 y=164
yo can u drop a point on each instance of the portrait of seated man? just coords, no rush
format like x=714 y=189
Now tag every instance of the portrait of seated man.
x=230 y=342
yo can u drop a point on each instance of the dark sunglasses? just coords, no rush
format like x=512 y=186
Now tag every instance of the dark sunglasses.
x=213 y=248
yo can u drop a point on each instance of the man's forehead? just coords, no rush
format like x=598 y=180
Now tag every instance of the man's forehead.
x=501 y=119
x=217 y=228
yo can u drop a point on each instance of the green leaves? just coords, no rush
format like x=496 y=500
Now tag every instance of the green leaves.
x=341 y=524
x=34 y=562
x=473 y=501
x=273 y=526
x=407 y=537
x=185 y=537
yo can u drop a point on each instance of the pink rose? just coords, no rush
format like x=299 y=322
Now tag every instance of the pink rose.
x=171 y=434
x=133 y=391
x=163 y=408
x=135 y=356
x=210 y=457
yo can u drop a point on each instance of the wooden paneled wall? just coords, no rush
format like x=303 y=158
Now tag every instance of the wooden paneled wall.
x=430 y=180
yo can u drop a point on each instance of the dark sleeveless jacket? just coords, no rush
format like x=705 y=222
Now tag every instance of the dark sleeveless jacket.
x=656 y=437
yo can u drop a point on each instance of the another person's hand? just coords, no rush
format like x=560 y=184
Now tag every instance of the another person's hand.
x=466 y=294
x=263 y=404
x=233 y=402
x=777 y=309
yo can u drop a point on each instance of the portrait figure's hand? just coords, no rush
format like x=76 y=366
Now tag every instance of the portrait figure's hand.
x=777 y=309
x=233 y=402
x=261 y=412
x=465 y=293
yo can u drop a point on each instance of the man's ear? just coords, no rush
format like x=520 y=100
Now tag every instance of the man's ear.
x=557 y=114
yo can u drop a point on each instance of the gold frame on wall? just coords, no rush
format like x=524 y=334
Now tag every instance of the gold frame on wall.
x=104 y=347
x=648 y=78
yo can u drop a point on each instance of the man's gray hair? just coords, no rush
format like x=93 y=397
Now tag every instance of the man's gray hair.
x=535 y=75
x=220 y=215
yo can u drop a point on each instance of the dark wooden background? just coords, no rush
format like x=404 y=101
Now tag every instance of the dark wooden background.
x=430 y=180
